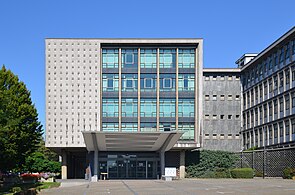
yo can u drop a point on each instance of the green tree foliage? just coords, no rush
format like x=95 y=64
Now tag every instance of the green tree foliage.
x=20 y=131
x=43 y=160
x=206 y=163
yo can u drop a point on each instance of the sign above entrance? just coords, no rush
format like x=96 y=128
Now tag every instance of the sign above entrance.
x=170 y=172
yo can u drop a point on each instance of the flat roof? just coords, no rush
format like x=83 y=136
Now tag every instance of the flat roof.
x=219 y=70
x=267 y=49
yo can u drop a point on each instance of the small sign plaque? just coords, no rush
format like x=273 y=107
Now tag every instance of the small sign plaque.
x=170 y=172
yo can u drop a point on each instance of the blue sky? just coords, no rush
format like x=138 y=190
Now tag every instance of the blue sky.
x=229 y=28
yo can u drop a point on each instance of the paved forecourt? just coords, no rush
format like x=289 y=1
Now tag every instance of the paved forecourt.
x=181 y=187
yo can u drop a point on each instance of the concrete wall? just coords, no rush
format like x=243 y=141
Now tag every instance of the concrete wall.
x=221 y=117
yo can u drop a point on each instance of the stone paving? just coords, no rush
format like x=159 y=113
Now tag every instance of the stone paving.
x=180 y=187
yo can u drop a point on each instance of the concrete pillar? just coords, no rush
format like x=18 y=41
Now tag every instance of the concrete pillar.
x=162 y=161
x=64 y=166
x=182 y=164
x=95 y=168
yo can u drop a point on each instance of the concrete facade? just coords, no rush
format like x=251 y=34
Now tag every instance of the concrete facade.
x=222 y=109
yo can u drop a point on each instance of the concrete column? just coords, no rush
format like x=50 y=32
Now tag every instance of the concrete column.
x=162 y=161
x=176 y=90
x=64 y=166
x=182 y=164
x=138 y=92
x=120 y=90
x=267 y=139
x=158 y=89
x=284 y=131
x=95 y=168
x=290 y=73
x=290 y=129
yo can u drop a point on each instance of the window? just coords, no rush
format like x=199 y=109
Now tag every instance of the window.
x=129 y=107
x=167 y=107
x=222 y=97
x=167 y=58
x=214 y=117
x=186 y=108
x=167 y=127
x=207 y=97
x=214 y=78
x=230 y=78
x=237 y=97
x=186 y=58
x=237 y=116
x=129 y=58
x=207 y=78
x=110 y=58
x=189 y=131
x=222 y=117
x=167 y=83
x=186 y=82
x=110 y=127
x=229 y=97
x=148 y=82
x=110 y=107
x=214 y=97
x=207 y=117
x=148 y=58
x=148 y=108
x=148 y=127
x=129 y=82
x=229 y=117
x=129 y=127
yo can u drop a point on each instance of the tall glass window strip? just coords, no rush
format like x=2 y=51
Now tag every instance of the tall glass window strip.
x=186 y=82
x=148 y=108
x=186 y=58
x=167 y=107
x=148 y=58
x=189 y=131
x=186 y=107
x=129 y=58
x=110 y=107
x=129 y=82
x=112 y=127
x=148 y=127
x=167 y=58
x=129 y=127
x=167 y=127
x=110 y=58
x=167 y=82
x=129 y=107
x=148 y=82
x=110 y=82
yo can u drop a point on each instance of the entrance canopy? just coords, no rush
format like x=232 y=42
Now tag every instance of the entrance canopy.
x=130 y=141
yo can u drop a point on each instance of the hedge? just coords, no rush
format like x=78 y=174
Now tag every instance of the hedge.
x=288 y=173
x=242 y=173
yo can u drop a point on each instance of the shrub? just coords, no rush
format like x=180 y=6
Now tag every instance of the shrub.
x=258 y=173
x=242 y=173
x=210 y=164
x=288 y=173
x=16 y=189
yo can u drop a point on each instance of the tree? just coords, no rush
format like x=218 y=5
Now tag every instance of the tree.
x=43 y=160
x=20 y=130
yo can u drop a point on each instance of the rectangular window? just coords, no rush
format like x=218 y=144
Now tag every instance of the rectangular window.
x=189 y=131
x=222 y=97
x=229 y=97
x=129 y=82
x=186 y=82
x=167 y=58
x=207 y=97
x=148 y=82
x=110 y=107
x=112 y=127
x=129 y=127
x=186 y=107
x=148 y=58
x=214 y=97
x=167 y=107
x=129 y=107
x=110 y=58
x=207 y=117
x=214 y=117
x=167 y=82
x=129 y=58
x=110 y=82
x=186 y=58
x=148 y=127
x=237 y=97
x=148 y=108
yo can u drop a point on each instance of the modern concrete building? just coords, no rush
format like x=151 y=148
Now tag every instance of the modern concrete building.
x=131 y=107
x=222 y=109
x=123 y=105
x=268 y=82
